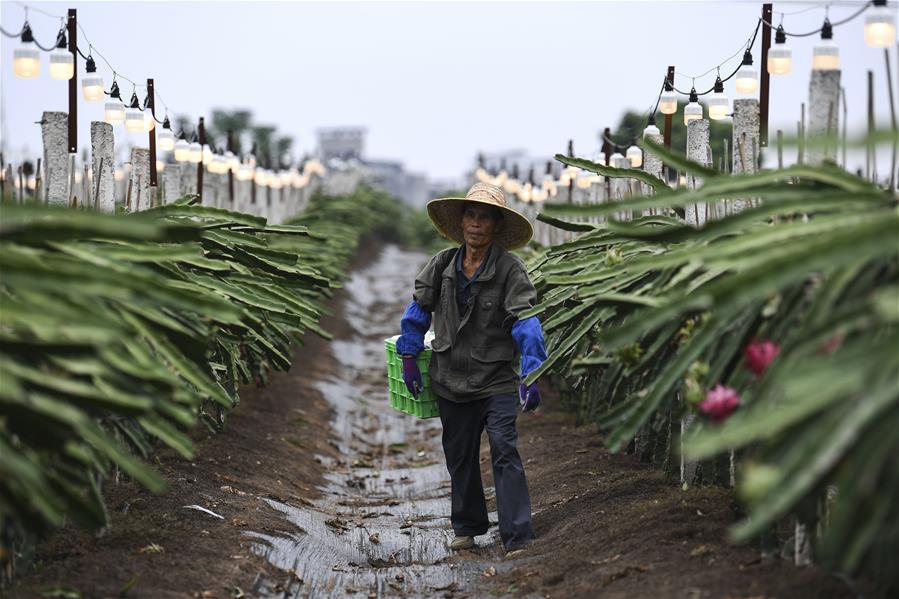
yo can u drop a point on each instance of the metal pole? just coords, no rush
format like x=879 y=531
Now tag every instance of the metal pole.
x=668 y=117
x=201 y=133
x=764 y=92
x=72 y=26
x=151 y=104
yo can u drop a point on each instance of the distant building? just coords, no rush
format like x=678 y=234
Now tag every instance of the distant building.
x=347 y=145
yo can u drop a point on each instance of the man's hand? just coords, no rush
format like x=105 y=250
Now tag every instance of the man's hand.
x=412 y=376
x=529 y=396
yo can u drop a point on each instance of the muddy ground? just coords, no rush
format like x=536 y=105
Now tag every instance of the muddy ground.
x=324 y=491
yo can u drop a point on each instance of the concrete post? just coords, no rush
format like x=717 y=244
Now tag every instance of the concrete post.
x=55 y=136
x=171 y=179
x=652 y=164
x=188 y=178
x=103 y=150
x=140 y=179
x=823 y=117
x=698 y=151
x=745 y=151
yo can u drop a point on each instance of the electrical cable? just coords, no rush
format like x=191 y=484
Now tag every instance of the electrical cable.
x=864 y=7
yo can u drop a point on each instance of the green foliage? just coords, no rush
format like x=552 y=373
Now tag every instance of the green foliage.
x=119 y=332
x=643 y=316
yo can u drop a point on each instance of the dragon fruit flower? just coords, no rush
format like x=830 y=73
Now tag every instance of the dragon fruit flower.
x=759 y=354
x=719 y=403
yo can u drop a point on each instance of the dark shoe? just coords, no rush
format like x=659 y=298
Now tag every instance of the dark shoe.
x=462 y=543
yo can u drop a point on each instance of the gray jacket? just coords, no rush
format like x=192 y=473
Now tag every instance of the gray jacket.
x=474 y=356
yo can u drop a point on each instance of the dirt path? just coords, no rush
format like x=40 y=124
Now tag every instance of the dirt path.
x=325 y=491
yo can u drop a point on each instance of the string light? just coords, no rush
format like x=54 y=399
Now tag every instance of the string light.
x=134 y=118
x=245 y=172
x=651 y=128
x=826 y=54
x=693 y=110
x=92 y=83
x=182 y=149
x=195 y=151
x=26 y=62
x=780 y=57
x=635 y=156
x=880 y=26
x=718 y=101
x=747 y=76
x=114 y=111
x=62 y=62
x=668 y=99
x=165 y=137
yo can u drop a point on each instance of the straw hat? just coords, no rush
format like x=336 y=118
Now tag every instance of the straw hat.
x=446 y=214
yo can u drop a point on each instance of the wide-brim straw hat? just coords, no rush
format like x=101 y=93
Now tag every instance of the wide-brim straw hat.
x=446 y=214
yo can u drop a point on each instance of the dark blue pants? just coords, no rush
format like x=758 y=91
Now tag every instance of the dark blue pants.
x=462 y=427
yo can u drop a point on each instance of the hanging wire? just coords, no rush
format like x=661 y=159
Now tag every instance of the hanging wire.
x=864 y=7
x=28 y=7
x=8 y=34
x=748 y=46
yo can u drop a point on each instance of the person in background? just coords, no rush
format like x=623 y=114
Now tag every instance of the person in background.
x=475 y=294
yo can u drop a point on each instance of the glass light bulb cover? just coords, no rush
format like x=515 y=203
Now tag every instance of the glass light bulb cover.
x=651 y=130
x=668 y=102
x=134 y=120
x=62 y=64
x=26 y=60
x=195 y=152
x=747 y=80
x=165 y=139
x=692 y=111
x=880 y=27
x=825 y=56
x=635 y=156
x=160 y=165
x=182 y=150
x=780 y=60
x=113 y=112
x=92 y=87
x=719 y=104
x=245 y=172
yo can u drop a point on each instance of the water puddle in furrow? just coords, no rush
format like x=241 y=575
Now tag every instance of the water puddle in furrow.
x=382 y=526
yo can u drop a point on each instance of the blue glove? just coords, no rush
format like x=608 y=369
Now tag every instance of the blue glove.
x=412 y=376
x=529 y=396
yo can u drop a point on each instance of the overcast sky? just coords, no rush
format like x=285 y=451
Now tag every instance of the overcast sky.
x=433 y=82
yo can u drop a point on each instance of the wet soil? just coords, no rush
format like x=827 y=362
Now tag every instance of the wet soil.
x=325 y=491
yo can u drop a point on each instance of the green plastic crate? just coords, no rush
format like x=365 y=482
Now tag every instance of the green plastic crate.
x=400 y=398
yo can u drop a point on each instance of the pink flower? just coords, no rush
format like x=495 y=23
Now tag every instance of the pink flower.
x=719 y=403
x=759 y=354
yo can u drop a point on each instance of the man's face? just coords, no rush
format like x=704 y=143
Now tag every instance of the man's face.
x=478 y=225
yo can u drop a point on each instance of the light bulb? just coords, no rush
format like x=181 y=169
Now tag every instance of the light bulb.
x=651 y=130
x=26 y=61
x=635 y=156
x=718 y=102
x=165 y=138
x=232 y=161
x=826 y=54
x=113 y=112
x=584 y=180
x=62 y=62
x=780 y=57
x=182 y=150
x=668 y=102
x=693 y=110
x=195 y=152
x=208 y=155
x=134 y=118
x=92 y=83
x=880 y=26
x=245 y=172
x=160 y=166
x=747 y=78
